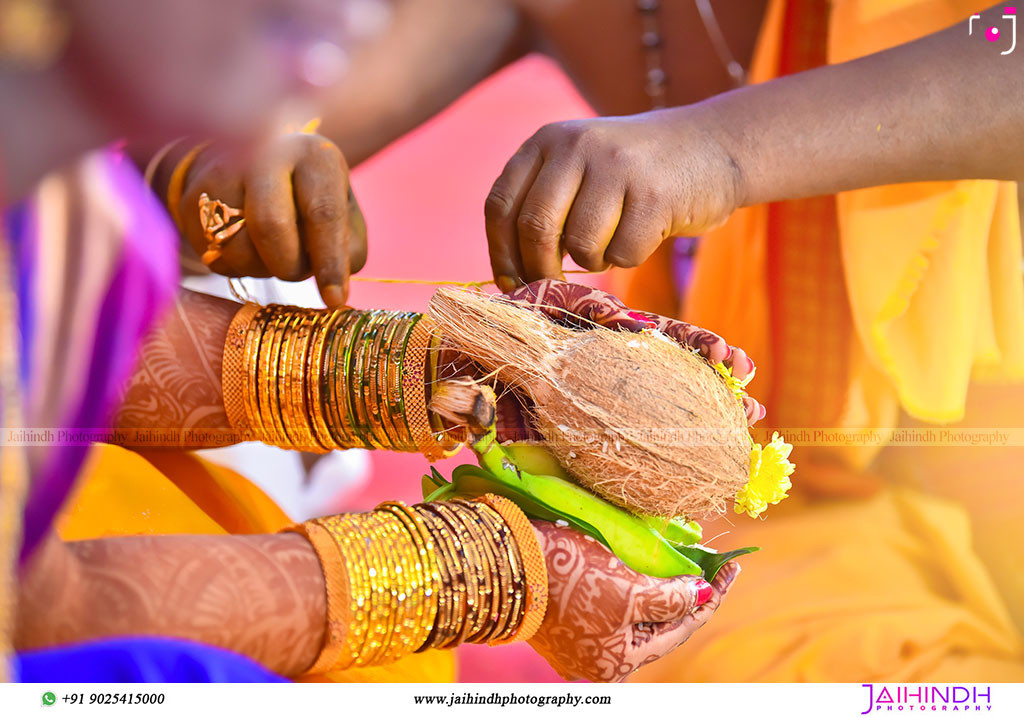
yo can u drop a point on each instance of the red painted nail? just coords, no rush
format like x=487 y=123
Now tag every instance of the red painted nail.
x=764 y=412
x=637 y=316
x=703 y=591
x=751 y=362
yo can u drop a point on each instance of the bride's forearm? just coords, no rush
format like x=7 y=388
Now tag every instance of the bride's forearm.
x=260 y=595
x=297 y=378
x=350 y=590
x=173 y=398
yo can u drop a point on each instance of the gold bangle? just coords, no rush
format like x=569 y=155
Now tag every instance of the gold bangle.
x=283 y=378
x=514 y=603
x=487 y=571
x=393 y=383
x=270 y=402
x=450 y=604
x=336 y=578
x=508 y=573
x=445 y=604
x=233 y=371
x=414 y=389
x=316 y=397
x=426 y=565
x=367 y=378
x=380 y=594
x=353 y=548
x=356 y=351
x=313 y=386
x=157 y=159
x=406 y=599
x=534 y=565
x=339 y=409
x=471 y=564
x=379 y=388
x=302 y=409
x=254 y=345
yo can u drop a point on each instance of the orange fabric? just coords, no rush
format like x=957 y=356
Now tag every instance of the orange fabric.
x=845 y=305
x=237 y=505
x=809 y=318
x=853 y=308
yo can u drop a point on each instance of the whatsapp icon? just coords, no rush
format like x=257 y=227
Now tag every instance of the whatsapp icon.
x=49 y=698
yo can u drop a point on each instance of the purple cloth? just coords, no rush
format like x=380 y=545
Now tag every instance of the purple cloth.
x=112 y=214
x=141 y=284
x=684 y=250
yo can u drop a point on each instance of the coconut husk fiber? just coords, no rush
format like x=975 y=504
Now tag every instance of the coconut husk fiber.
x=638 y=419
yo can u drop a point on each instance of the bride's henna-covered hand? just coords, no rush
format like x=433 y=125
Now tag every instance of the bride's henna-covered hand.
x=604 y=621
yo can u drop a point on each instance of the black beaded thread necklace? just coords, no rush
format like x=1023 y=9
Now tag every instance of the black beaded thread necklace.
x=655 y=79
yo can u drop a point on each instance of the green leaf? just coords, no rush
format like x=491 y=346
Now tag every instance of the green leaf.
x=711 y=561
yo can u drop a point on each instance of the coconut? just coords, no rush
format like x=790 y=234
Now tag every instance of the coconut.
x=636 y=418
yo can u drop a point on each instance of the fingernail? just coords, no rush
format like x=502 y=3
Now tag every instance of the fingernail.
x=506 y=284
x=750 y=365
x=703 y=591
x=764 y=412
x=646 y=322
x=730 y=576
x=333 y=295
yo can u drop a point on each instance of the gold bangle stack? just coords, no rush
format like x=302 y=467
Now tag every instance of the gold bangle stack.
x=322 y=380
x=433 y=575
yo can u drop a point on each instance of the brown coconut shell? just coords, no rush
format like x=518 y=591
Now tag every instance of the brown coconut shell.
x=638 y=419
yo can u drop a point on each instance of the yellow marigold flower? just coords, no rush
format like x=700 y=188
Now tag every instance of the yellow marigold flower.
x=770 y=469
x=735 y=385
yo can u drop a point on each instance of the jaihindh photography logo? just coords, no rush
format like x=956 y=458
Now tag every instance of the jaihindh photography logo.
x=1008 y=33
x=927 y=698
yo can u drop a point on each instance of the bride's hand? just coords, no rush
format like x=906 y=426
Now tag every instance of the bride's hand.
x=604 y=621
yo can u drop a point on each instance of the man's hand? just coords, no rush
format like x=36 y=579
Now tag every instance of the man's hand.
x=301 y=217
x=606 y=191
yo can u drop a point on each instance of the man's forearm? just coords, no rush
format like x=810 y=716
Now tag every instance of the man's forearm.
x=261 y=595
x=947 y=106
x=433 y=51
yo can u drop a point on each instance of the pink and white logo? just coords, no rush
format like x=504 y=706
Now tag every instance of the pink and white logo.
x=994 y=34
x=928 y=698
